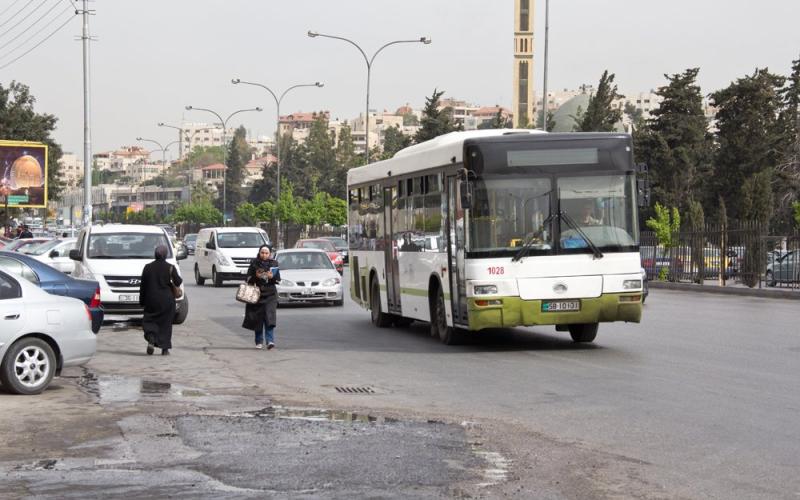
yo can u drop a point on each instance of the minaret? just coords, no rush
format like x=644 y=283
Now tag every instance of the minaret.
x=524 y=99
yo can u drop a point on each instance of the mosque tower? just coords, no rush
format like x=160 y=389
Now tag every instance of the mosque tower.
x=524 y=99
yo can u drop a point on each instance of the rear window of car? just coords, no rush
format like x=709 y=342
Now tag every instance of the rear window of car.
x=322 y=245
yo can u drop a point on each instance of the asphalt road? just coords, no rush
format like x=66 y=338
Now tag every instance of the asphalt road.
x=701 y=400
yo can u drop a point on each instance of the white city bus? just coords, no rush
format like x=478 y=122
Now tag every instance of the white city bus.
x=497 y=229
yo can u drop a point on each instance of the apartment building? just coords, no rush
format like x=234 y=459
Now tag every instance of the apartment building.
x=70 y=170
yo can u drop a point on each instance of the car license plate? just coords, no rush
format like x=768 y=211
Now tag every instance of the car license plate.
x=243 y=271
x=129 y=298
x=307 y=291
x=561 y=305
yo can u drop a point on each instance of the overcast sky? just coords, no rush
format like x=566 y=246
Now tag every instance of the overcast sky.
x=153 y=57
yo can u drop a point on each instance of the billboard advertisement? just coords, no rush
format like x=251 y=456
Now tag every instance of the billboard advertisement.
x=23 y=174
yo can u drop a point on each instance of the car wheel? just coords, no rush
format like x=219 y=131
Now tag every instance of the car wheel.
x=215 y=278
x=583 y=333
x=769 y=278
x=379 y=318
x=28 y=367
x=449 y=335
x=197 y=278
x=182 y=312
x=338 y=303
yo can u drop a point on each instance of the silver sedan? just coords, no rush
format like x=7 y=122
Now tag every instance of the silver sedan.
x=308 y=275
x=39 y=335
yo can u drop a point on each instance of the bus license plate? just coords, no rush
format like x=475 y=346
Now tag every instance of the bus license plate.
x=561 y=306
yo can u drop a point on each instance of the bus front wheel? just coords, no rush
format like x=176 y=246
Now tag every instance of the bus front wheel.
x=449 y=335
x=585 y=332
x=379 y=318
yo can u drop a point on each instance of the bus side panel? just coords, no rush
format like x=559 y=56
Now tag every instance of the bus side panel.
x=416 y=270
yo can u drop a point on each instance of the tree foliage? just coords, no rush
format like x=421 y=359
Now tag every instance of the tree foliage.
x=600 y=116
x=393 y=141
x=435 y=121
x=239 y=154
x=20 y=122
x=200 y=212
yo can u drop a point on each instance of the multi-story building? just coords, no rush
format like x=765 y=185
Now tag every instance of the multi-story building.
x=70 y=169
x=121 y=159
x=200 y=134
x=462 y=110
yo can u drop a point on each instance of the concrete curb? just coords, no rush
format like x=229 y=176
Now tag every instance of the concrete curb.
x=740 y=291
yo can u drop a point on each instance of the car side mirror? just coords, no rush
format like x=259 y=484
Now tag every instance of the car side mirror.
x=53 y=254
x=75 y=254
x=210 y=245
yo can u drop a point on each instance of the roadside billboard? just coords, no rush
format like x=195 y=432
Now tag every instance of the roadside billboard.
x=23 y=171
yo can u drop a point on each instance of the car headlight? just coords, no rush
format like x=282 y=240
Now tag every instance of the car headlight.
x=485 y=289
x=224 y=260
x=331 y=282
x=285 y=282
x=632 y=284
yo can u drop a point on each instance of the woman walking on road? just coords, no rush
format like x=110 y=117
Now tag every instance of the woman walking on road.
x=156 y=295
x=261 y=317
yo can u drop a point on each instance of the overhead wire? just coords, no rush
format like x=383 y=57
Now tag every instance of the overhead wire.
x=60 y=27
x=15 y=2
x=39 y=32
x=30 y=26
x=29 y=14
x=16 y=13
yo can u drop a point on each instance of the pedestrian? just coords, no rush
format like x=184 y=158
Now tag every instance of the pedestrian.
x=261 y=317
x=157 y=296
x=24 y=233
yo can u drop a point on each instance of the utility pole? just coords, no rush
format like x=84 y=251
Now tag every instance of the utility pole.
x=87 y=131
x=546 y=43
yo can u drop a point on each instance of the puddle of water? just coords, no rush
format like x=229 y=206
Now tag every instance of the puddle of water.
x=318 y=415
x=119 y=389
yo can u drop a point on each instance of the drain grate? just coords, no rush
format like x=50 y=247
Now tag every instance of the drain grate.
x=355 y=390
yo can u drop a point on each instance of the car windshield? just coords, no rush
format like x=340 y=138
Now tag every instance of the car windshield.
x=338 y=242
x=126 y=245
x=240 y=240
x=190 y=238
x=320 y=244
x=44 y=247
x=304 y=260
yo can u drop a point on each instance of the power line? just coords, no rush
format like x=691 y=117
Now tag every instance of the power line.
x=16 y=13
x=29 y=14
x=37 y=21
x=39 y=32
x=37 y=45
x=15 y=2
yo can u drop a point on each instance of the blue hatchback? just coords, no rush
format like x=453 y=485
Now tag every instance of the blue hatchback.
x=55 y=282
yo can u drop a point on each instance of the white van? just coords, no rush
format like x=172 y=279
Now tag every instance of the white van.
x=114 y=255
x=224 y=253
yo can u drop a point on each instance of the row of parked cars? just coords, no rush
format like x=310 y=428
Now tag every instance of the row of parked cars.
x=310 y=272
x=55 y=297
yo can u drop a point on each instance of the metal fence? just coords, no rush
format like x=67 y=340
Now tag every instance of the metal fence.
x=743 y=254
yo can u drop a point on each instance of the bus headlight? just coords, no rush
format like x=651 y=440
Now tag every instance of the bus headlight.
x=632 y=285
x=485 y=289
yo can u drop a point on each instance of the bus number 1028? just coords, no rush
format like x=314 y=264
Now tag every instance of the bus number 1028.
x=497 y=270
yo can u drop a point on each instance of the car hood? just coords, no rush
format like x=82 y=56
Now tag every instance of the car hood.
x=309 y=274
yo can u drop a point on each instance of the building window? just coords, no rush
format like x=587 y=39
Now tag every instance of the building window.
x=524 y=15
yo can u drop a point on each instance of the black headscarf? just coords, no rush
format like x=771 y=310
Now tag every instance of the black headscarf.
x=265 y=264
x=161 y=252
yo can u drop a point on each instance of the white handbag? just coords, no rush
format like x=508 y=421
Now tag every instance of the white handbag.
x=249 y=294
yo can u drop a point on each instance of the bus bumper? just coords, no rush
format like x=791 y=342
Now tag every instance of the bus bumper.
x=506 y=312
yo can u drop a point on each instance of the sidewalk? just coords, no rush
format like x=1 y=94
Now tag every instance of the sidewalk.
x=733 y=289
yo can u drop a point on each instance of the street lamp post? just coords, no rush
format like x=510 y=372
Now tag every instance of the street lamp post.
x=189 y=178
x=224 y=123
x=163 y=150
x=369 y=61
x=278 y=101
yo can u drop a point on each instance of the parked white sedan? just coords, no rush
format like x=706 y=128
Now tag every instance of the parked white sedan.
x=40 y=334
x=55 y=253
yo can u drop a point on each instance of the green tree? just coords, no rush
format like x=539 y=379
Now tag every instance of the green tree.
x=410 y=120
x=203 y=156
x=264 y=188
x=336 y=211
x=666 y=224
x=20 y=122
x=287 y=208
x=551 y=123
x=796 y=208
x=600 y=116
x=697 y=227
x=238 y=156
x=346 y=155
x=498 y=121
x=323 y=169
x=393 y=141
x=748 y=137
x=675 y=143
x=787 y=173
x=246 y=214
x=435 y=121
x=199 y=212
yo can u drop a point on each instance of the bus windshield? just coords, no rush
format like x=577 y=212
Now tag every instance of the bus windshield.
x=511 y=211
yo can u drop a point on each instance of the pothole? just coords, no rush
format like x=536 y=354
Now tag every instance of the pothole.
x=122 y=389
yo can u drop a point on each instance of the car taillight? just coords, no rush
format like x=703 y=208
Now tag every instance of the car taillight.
x=95 y=303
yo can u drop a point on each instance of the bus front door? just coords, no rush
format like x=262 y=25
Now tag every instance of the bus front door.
x=392 y=265
x=455 y=252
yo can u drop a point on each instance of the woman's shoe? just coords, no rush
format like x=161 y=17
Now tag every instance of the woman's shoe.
x=165 y=352
x=270 y=346
x=150 y=349
x=259 y=346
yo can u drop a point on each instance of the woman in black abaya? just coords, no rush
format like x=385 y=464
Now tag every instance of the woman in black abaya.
x=155 y=294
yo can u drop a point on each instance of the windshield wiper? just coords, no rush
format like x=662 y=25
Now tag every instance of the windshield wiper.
x=529 y=243
x=571 y=223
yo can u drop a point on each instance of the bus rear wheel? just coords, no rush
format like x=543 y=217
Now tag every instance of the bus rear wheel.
x=583 y=333
x=449 y=335
x=379 y=318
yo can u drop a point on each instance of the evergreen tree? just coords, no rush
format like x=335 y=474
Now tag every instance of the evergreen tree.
x=264 y=188
x=393 y=141
x=675 y=143
x=551 y=123
x=787 y=173
x=435 y=121
x=19 y=122
x=600 y=116
x=346 y=155
x=325 y=173
x=238 y=156
x=748 y=139
x=498 y=121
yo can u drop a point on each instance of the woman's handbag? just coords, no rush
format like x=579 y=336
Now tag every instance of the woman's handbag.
x=249 y=294
x=176 y=290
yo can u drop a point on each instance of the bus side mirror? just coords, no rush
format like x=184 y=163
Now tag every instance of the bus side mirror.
x=466 y=195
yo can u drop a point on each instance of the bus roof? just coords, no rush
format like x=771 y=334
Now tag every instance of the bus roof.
x=434 y=153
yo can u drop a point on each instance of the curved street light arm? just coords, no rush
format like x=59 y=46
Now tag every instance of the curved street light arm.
x=236 y=81
x=161 y=148
x=315 y=84
x=354 y=44
x=424 y=40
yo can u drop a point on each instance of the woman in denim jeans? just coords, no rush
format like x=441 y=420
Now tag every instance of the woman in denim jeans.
x=261 y=317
